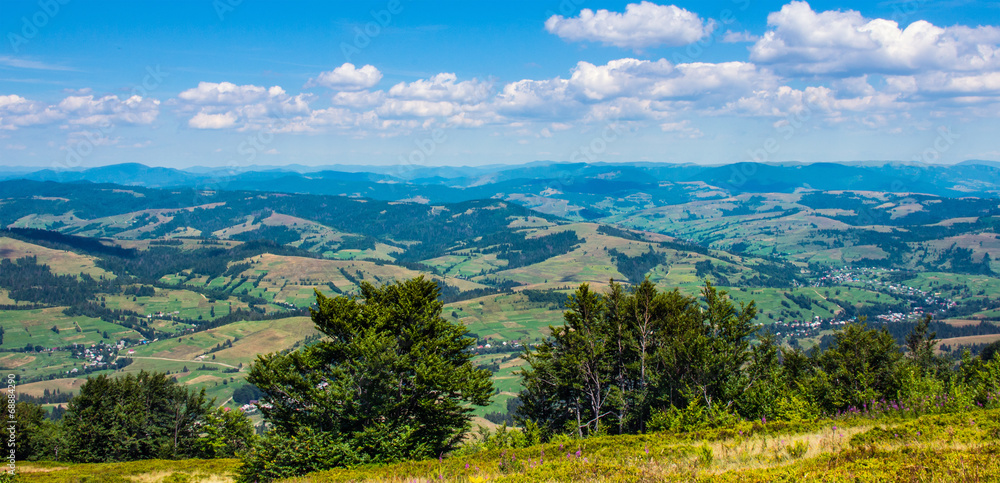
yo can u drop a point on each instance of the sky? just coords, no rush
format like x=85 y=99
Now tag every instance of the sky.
x=241 y=83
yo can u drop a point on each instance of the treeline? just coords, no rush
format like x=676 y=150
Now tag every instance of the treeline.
x=529 y=251
x=635 y=268
x=637 y=360
x=129 y=418
x=392 y=380
x=60 y=241
x=26 y=280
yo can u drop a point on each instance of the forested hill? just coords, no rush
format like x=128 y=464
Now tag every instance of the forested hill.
x=104 y=210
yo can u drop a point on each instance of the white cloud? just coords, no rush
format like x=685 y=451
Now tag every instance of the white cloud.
x=642 y=25
x=548 y=99
x=443 y=87
x=224 y=93
x=739 y=37
x=977 y=94
x=818 y=102
x=700 y=81
x=225 y=105
x=358 y=99
x=203 y=120
x=347 y=77
x=802 y=41
x=91 y=111
x=682 y=128
x=617 y=77
x=397 y=108
x=16 y=111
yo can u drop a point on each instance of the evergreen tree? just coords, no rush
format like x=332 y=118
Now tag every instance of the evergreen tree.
x=134 y=417
x=393 y=380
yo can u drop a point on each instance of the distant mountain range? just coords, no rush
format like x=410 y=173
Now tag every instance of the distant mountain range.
x=549 y=179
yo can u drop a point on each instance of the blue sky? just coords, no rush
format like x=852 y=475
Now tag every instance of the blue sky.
x=241 y=83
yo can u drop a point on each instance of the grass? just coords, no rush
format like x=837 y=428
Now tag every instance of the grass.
x=960 y=447
x=149 y=471
x=22 y=327
x=61 y=262
x=955 y=447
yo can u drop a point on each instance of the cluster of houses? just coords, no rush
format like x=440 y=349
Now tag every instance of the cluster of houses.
x=806 y=328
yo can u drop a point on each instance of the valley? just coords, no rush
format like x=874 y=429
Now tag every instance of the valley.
x=104 y=277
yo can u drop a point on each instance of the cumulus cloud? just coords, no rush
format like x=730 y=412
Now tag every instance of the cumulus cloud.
x=617 y=77
x=802 y=41
x=225 y=105
x=358 y=99
x=347 y=78
x=91 y=111
x=814 y=102
x=204 y=120
x=547 y=99
x=227 y=94
x=16 y=111
x=397 y=108
x=443 y=87
x=642 y=25
x=739 y=37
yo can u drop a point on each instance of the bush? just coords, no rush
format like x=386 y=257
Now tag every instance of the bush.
x=283 y=456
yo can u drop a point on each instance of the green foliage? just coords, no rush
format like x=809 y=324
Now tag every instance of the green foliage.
x=620 y=356
x=695 y=417
x=393 y=380
x=133 y=417
x=36 y=436
x=281 y=455
x=859 y=368
x=225 y=434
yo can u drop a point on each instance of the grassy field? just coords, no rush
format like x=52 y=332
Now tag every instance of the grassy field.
x=59 y=261
x=22 y=327
x=961 y=447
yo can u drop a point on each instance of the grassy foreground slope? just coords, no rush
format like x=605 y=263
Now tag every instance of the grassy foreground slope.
x=958 y=447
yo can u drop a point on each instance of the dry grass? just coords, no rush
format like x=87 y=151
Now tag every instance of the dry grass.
x=63 y=385
x=59 y=261
x=972 y=339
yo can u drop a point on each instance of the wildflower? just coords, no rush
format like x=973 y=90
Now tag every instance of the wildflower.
x=578 y=453
x=466 y=466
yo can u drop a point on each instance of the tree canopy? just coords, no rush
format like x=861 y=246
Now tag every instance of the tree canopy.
x=133 y=417
x=391 y=380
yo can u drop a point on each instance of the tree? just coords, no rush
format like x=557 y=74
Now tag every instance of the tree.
x=225 y=434
x=36 y=436
x=134 y=417
x=393 y=379
x=858 y=368
x=621 y=356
